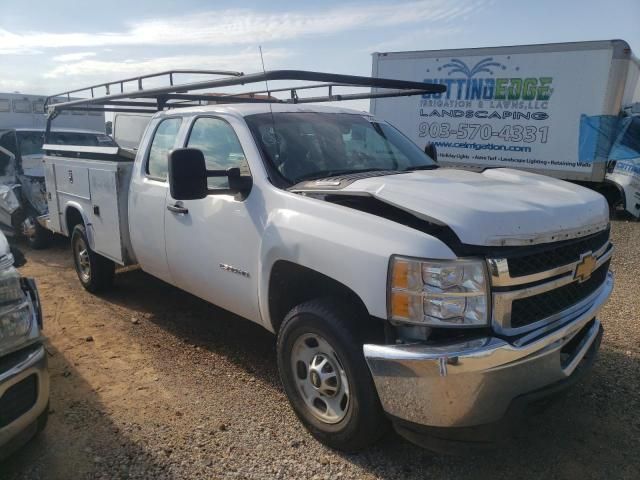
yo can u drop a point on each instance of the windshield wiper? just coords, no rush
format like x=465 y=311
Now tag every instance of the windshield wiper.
x=421 y=167
x=333 y=173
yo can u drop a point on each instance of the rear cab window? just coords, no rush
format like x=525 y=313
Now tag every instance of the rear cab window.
x=164 y=140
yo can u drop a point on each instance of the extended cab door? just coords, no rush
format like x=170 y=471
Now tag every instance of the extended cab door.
x=147 y=197
x=213 y=244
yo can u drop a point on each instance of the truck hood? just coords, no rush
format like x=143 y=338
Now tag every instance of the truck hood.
x=498 y=207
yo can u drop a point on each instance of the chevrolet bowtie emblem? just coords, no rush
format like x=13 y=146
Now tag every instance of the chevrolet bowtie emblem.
x=585 y=267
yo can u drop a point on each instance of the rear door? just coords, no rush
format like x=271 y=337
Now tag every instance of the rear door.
x=147 y=198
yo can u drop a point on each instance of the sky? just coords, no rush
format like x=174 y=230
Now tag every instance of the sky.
x=50 y=46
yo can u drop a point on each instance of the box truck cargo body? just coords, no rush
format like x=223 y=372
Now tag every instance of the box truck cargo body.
x=568 y=110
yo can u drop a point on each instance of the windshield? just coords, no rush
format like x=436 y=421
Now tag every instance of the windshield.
x=309 y=145
x=631 y=138
x=31 y=142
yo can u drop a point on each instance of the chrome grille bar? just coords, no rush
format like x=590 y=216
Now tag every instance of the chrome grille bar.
x=534 y=284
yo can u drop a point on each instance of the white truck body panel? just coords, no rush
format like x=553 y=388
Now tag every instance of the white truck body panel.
x=98 y=189
x=526 y=107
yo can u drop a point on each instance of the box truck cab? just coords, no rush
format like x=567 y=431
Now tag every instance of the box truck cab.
x=567 y=110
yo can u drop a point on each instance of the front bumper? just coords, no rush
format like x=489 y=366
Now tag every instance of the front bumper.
x=18 y=372
x=474 y=383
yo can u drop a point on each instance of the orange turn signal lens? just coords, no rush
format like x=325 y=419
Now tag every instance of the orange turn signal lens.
x=400 y=275
x=400 y=305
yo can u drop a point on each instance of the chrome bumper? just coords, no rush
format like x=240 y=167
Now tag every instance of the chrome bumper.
x=474 y=383
x=33 y=362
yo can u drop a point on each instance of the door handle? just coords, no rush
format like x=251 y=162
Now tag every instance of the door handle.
x=178 y=209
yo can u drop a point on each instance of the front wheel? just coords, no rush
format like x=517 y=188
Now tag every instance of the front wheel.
x=326 y=378
x=95 y=272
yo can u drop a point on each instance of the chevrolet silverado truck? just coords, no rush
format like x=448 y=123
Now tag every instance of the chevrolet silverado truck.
x=435 y=300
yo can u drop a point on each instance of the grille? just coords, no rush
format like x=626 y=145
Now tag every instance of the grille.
x=18 y=400
x=557 y=255
x=528 y=310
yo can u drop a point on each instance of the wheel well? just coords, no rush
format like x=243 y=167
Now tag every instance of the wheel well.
x=291 y=284
x=613 y=193
x=73 y=217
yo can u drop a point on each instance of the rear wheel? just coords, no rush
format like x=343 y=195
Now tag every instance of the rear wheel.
x=326 y=378
x=95 y=272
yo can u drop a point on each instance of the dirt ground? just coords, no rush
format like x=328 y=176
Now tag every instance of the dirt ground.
x=150 y=382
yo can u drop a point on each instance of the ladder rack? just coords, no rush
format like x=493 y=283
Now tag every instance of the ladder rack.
x=174 y=95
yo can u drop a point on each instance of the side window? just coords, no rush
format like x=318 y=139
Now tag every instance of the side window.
x=4 y=105
x=22 y=106
x=163 y=142
x=38 y=106
x=220 y=146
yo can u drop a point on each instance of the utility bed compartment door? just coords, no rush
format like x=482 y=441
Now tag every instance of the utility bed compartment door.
x=105 y=220
x=52 y=197
x=73 y=180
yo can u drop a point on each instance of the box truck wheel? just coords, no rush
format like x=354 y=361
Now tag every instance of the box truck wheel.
x=37 y=236
x=95 y=272
x=326 y=378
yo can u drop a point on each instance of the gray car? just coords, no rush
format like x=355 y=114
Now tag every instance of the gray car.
x=24 y=378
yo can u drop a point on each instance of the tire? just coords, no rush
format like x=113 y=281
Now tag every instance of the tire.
x=359 y=421
x=37 y=236
x=94 y=271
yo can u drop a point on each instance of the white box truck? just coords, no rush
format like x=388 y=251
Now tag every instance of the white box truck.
x=567 y=110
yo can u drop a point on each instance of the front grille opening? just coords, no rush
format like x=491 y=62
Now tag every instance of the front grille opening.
x=569 y=350
x=18 y=400
x=559 y=254
x=525 y=311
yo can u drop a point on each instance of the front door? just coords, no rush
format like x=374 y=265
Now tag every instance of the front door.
x=213 y=243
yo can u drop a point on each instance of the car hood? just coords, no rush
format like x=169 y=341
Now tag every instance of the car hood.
x=497 y=207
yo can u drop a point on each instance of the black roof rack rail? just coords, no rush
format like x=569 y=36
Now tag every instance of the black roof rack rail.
x=174 y=95
x=162 y=95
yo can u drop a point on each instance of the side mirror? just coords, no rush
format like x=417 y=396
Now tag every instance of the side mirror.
x=430 y=149
x=187 y=174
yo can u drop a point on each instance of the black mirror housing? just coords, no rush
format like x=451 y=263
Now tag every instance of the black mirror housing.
x=187 y=174
x=430 y=149
x=239 y=183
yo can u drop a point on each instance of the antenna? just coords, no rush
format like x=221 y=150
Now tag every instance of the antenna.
x=273 y=118
x=266 y=82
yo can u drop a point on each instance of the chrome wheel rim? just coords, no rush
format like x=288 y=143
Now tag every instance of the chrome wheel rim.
x=82 y=259
x=320 y=378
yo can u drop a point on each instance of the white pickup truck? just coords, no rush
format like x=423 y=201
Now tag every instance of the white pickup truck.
x=432 y=299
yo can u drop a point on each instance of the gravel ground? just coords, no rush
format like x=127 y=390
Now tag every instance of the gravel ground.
x=150 y=382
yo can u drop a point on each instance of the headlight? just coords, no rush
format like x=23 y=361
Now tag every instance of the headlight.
x=447 y=293
x=15 y=323
x=16 y=312
x=10 y=288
